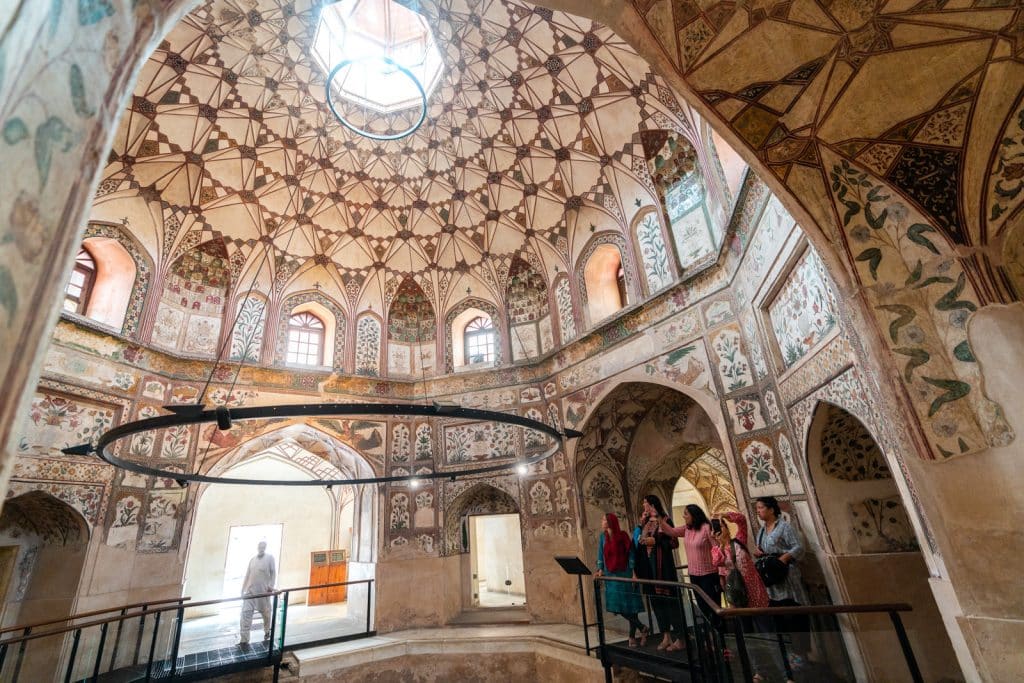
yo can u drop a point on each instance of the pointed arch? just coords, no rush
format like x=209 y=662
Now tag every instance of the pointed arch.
x=606 y=278
x=526 y=299
x=369 y=329
x=455 y=325
x=412 y=331
x=331 y=314
x=478 y=499
x=191 y=310
x=132 y=285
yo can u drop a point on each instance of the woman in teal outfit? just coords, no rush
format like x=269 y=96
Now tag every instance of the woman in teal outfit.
x=615 y=558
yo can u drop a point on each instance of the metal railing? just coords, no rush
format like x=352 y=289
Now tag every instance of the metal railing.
x=758 y=636
x=79 y=648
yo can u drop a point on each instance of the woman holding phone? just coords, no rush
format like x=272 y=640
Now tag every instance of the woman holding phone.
x=698 y=541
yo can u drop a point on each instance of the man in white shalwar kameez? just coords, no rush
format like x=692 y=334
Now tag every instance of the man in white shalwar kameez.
x=259 y=578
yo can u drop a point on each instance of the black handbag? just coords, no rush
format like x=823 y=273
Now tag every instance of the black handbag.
x=772 y=570
x=735 y=587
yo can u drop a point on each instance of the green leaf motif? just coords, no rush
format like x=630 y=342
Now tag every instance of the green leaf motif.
x=874 y=257
x=915 y=275
x=852 y=209
x=876 y=222
x=935 y=279
x=93 y=11
x=905 y=313
x=82 y=107
x=950 y=300
x=918 y=357
x=679 y=354
x=51 y=133
x=953 y=390
x=963 y=352
x=55 y=10
x=915 y=233
x=15 y=131
x=8 y=294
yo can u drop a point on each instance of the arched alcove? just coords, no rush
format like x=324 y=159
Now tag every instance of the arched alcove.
x=330 y=315
x=191 y=309
x=43 y=546
x=107 y=291
x=526 y=298
x=605 y=281
x=480 y=500
x=456 y=321
x=871 y=546
x=412 y=331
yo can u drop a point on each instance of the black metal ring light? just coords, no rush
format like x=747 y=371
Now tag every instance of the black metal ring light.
x=223 y=416
x=367 y=133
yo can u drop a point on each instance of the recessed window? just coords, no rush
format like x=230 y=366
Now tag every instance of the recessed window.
x=480 y=339
x=363 y=34
x=305 y=340
x=76 y=294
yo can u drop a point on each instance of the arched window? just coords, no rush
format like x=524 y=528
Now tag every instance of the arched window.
x=76 y=294
x=620 y=284
x=479 y=341
x=305 y=340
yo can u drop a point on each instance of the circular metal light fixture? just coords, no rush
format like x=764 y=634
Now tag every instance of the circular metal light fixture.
x=223 y=417
x=366 y=132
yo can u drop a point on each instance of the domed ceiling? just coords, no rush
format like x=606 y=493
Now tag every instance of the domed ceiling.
x=531 y=143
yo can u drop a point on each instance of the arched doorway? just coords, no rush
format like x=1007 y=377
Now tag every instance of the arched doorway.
x=644 y=438
x=873 y=550
x=317 y=534
x=43 y=543
x=482 y=526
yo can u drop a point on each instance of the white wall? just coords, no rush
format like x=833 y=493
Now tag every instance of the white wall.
x=305 y=514
x=497 y=544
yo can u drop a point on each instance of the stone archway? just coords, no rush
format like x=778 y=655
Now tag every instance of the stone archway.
x=43 y=547
x=870 y=551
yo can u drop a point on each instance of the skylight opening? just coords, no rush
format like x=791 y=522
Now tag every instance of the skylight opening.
x=370 y=37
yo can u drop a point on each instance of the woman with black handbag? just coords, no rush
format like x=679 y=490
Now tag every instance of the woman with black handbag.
x=656 y=561
x=778 y=549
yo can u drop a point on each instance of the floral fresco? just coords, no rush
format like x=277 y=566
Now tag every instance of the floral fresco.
x=479 y=441
x=57 y=422
x=803 y=313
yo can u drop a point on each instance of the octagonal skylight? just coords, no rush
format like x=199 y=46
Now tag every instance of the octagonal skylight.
x=365 y=33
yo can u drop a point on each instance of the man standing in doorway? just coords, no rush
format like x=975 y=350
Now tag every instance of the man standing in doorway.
x=259 y=578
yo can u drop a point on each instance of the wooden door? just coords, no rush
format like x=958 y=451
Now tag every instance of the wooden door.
x=319 y=573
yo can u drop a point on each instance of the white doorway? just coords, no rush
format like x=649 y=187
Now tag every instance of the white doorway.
x=242 y=542
x=496 y=561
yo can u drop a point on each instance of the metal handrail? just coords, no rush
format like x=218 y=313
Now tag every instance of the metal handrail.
x=168 y=608
x=83 y=615
x=726 y=612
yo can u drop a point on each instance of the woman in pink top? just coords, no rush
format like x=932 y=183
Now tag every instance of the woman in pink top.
x=698 y=541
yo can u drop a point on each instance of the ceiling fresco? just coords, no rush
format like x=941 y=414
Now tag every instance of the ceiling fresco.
x=533 y=141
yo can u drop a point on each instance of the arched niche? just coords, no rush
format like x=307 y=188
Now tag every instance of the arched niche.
x=604 y=283
x=43 y=549
x=871 y=547
x=110 y=289
x=529 y=313
x=330 y=314
x=191 y=309
x=126 y=297
x=456 y=321
x=412 y=331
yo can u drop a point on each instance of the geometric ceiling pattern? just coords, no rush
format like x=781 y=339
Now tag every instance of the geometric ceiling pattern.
x=537 y=116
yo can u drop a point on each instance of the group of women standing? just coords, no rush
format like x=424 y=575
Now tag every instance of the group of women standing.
x=711 y=554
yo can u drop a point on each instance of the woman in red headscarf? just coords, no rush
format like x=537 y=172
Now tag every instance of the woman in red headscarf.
x=614 y=558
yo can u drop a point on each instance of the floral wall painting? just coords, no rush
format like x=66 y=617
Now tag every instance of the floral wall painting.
x=247 y=334
x=762 y=476
x=803 y=313
x=479 y=441
x=848 y=451
x=563 y=301
x=733 y=367
x=399 y=512
x=191 y=307
x=57 y=421
x=159 y=529
x=401 y=446
x=881 y=525
x=368 y=333
x=921 y=292
x=653 y=253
